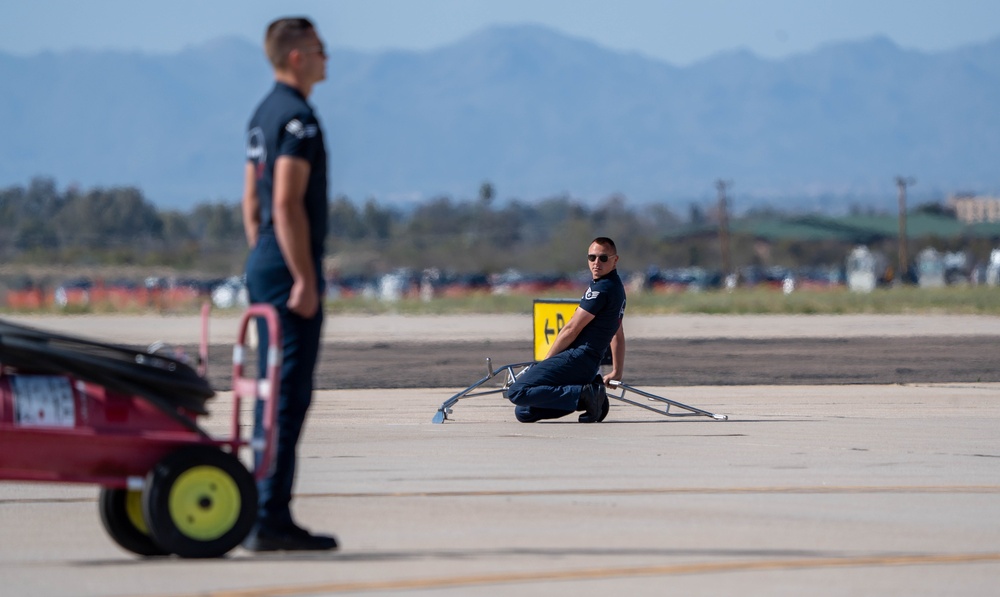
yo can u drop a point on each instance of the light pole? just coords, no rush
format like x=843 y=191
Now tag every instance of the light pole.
x=721 y=185
x=904 y=261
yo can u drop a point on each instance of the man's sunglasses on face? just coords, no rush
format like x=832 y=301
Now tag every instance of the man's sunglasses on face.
x=604 y=258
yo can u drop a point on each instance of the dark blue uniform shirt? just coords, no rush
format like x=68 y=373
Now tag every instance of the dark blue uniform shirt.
x=605 y=300
x=285 y=124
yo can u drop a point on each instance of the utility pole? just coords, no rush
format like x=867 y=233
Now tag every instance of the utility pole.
x=904 y=262
x=722 y=185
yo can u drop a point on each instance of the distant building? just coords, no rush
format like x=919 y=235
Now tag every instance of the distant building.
x=971 y=208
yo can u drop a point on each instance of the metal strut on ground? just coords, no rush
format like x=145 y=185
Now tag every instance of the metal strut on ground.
x=516 y=369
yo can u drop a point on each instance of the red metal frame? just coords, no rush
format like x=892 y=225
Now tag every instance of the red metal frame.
x=117 y=438
x=258 y=389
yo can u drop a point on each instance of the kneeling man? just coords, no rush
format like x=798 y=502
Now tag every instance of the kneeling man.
x=569 y=378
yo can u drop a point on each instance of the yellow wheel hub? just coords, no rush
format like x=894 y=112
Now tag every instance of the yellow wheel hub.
x=204 y=503
x=133 y=509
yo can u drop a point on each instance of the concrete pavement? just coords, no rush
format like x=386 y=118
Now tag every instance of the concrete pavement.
x=819 y=490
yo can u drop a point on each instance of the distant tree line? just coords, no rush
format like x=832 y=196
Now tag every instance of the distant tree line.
x=119 y=226
x=113 y=226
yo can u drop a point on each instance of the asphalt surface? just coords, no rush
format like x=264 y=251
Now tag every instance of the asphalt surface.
x=679 y=350
x=684 y=362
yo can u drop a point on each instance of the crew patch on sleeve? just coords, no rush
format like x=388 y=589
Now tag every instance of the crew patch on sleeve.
x=256 y=145
x=591 y=294
x=299 y=130
x=294 y=127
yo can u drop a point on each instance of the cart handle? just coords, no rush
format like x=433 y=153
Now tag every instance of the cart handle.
x=265 y=389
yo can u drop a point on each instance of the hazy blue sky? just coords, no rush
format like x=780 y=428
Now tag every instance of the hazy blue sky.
x=676 y=31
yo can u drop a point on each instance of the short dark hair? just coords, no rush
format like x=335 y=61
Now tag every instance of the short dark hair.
x=283 y=36
x=605 y=242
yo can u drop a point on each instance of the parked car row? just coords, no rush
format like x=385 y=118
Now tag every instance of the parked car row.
x=862 y=271
x=867 y=269
x=120 y=294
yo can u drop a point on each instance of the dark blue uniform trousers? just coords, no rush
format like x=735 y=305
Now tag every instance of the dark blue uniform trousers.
x=269 y=281
x=551 y=388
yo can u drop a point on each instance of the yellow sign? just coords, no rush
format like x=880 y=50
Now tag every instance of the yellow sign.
x=550 y=315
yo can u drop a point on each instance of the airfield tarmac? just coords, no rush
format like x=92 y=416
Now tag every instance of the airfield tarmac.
x=887 y=485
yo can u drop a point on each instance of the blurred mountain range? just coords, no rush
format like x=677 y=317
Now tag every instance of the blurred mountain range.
x=533 y=111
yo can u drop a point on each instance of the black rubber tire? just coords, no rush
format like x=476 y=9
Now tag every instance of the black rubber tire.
x=199 y=502
x=122 y=521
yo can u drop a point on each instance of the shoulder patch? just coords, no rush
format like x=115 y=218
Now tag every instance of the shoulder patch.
x=301 y=131
x=294 y=127
x=256 y=147
x=591 y=294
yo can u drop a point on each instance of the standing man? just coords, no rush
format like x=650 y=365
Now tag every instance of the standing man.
x=284 y=216
x=569 y=379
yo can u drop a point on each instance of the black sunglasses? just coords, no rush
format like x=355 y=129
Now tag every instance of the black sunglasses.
x=604 y=258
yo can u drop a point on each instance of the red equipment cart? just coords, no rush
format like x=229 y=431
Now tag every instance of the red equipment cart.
x=74 y=410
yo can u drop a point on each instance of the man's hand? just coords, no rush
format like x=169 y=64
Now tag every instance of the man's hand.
x=303 y=299
x=617 y=356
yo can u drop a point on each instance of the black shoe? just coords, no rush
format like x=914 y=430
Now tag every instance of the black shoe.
x=524 y=414
x=605 y=408
x=592 y=403
x=290 y=538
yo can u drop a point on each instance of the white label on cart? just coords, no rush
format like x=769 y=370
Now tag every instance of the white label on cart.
x=43 y=401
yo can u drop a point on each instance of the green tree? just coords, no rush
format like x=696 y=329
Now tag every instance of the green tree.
x=344 y=221
x=378 y=221
x=109 y=218
x=217 y=225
